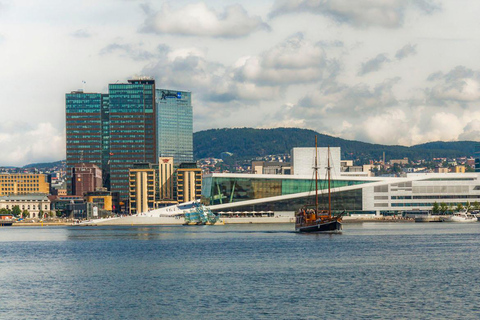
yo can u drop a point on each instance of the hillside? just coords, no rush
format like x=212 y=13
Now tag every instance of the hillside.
x=248 y=143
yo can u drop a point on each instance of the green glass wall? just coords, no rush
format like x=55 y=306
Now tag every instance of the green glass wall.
x=132 y=130
x=220 y=190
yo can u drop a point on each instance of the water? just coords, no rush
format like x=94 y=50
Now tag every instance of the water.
x=370 y=271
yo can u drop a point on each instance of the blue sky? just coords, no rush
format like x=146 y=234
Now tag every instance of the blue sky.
x=382 y=71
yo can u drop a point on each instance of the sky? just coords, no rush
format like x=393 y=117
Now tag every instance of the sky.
x=397 y=72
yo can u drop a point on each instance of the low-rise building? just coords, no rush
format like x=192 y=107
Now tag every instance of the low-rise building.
x=33 y=203
x=23 y=184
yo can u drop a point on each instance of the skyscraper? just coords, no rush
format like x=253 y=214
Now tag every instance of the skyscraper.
x=174 y=125
x=84 y=127
x=132 y=129
x=133 y=123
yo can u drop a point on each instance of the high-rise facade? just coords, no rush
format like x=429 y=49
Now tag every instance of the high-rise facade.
x=175 y=125
x=132 y=128
x=133 y=123
x=84 y=127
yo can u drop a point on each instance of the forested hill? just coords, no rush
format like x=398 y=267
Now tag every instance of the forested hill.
x=249 y=143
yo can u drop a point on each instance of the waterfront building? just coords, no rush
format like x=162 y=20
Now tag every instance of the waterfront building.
x=33 y=203
x=175 y=125
x=84 y=130
x=23 y=184
x=132 y=130
x=363 y=195
x=143 y=188
x=189 y=182
x=86 y=177
x=166 y=180
x=112 y=131
x=102 y=199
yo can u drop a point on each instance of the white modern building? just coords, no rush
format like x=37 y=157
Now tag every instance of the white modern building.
x=254 y=192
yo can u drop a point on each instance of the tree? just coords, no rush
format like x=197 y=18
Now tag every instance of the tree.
x=25 y=214
x=443 y=208
x=459 y=207
x=468 y=206
x=5 y=211
x=476 y=205
x=436 y=208
x=16 y=211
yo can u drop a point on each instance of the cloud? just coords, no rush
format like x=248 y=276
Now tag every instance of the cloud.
x=250 y=79
x=461 y=85
x=471 y=132
x=81 y=33
x=295 y=60
x=22 y=143
x=128 y=50
x=339 y=109
x=406 y=51
x=188 y=69
x=200 y=20
x=374 y=64
x=363 y=13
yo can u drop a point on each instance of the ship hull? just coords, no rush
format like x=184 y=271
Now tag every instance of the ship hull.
x=5 y=223
x=329 y=226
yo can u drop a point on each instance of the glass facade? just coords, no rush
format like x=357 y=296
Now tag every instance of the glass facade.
x=112 y=130
x=132 y=130
x=350 y=201
x=221 y=190
x=83 y=129
x=174 y=125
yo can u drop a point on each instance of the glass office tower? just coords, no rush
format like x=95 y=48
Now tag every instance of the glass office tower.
x=174 y=125
x=132 y=128
x=84 y=130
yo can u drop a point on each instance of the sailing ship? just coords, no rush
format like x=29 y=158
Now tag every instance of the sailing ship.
x=311 y=220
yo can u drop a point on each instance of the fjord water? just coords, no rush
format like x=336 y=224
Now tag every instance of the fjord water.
x=370 y=271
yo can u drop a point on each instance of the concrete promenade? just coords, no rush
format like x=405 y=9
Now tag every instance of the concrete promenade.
x=133 y=220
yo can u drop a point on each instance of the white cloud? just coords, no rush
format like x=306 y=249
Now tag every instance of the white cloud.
x=22 y=144
x=295 y=60
x=471 y=131
x=198 y=19
x=459 y=85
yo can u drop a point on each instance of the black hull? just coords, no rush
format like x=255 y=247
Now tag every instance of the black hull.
x=321 y=227
x=5 y=223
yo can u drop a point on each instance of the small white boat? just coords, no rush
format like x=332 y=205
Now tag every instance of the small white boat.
x=463 y=216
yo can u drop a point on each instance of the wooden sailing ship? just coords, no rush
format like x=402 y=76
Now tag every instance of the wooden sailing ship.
x=312 y=220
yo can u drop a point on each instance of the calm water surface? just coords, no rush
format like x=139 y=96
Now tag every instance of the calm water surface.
x=370 y=271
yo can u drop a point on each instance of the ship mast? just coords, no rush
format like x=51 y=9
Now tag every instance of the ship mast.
x=329 y=195
x=316 y=181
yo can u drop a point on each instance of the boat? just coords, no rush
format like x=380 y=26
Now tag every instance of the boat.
x=200 y=215
x=311 y=220
x=6 y=222
x=462 y=216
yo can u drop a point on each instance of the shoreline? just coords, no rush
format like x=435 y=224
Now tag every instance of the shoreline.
x=224 y=221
